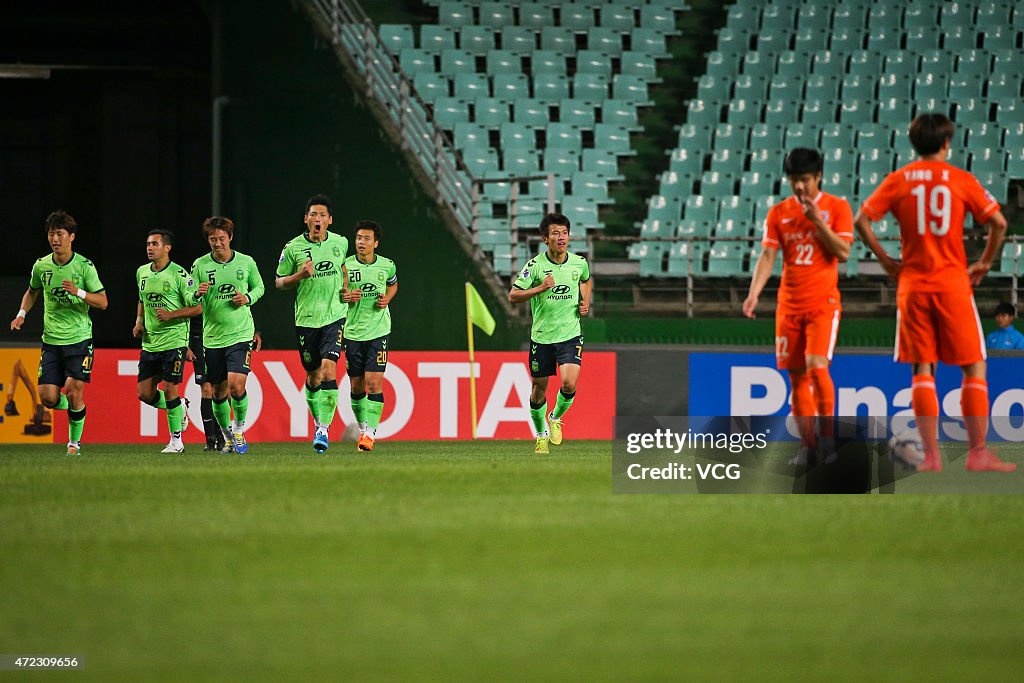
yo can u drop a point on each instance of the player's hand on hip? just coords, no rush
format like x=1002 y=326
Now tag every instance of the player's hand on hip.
x=204 y=287
x=306 y=271
x=548 y=283
x=892 y=267
x=189 y=356
x=750 y=306
x=978 y=270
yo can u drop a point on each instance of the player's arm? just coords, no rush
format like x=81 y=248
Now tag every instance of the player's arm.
x=94 y=299
x=586 y=290
x=140 y=322
x=256 y=287
x=389 y=294
x=996 y=226
x=164 y=315
x=890 y=265
x=518 y=295
x=762 y=271
x=292 y=281
x=28 y=300
x=829 y=238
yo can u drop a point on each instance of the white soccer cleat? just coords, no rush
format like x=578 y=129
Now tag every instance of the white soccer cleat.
x=184 y=418
x=174 y=447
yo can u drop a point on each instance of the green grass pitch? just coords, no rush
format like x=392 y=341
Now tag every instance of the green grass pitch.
x=483 y=561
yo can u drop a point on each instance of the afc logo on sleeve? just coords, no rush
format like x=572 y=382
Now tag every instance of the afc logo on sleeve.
x=526 y=273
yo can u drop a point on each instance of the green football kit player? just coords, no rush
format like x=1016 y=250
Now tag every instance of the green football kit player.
x=313 y=263
x=558 y=286
x=167 y=299
x=70 y=287
x=372 y=284
x=229 y=284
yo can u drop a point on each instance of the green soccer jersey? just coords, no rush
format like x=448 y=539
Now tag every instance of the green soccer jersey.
x=65 y=316
x=556 y=313
x=365 y=321
x=224 y=323
x=172 y=289
x=318 y=300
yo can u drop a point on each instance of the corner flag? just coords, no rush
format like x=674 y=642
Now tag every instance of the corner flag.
x=476 y=310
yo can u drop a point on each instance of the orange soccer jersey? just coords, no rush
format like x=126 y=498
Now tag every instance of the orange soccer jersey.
x=929 y=200
x=810 y=276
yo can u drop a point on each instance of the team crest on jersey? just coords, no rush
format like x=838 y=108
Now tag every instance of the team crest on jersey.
x=825 y=216
x=167 y=286
x=381 y=276
x=535 y=366
x=575 y=275
x=336 y=251
x=239 y=274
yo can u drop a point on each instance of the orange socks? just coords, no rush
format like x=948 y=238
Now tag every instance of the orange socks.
x=974 y=408
x=803 y=406
x=925 y=402
x=824 y=398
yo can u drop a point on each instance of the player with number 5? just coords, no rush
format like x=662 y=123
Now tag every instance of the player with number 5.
x=936 y=317
x=814 y=230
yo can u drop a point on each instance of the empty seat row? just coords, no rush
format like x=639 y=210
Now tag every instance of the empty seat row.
x=523 y=40
x=453 y=61
x=572 y=15
x=880 y=15
x=492 y=112
x=561 y=161
x=547 y=87
x=846 y=39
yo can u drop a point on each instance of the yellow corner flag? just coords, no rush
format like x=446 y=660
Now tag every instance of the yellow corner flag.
x=476 y=310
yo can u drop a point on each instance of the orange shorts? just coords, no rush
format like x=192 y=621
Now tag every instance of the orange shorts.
x=938 y=326
x=805 y=334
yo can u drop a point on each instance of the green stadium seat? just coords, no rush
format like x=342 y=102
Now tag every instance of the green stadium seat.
x=894 y=86
x=455 y=13
x=792 y=64
x=1003 y=86
x=860 y=88
x=799 y=135
x=971 y=111
x=937 y=105
x=701 y=209
x=530 y=112
x=814 y=17
x=660 y=18
x=1017 y=17
x=834 y=135
x=558 y=39
x=590 y=86
x=593 y=62
x=818 y=112
x=521 y=40
x=956 y=15
x=615 y=138
x=1007 y=61
x=999 y=38
x=756 y=184
x=781 y=112
x=903 y=157
x=774 y=42
x=640 y=64
x=828 y=63
x=471 y=86
x=745 y=87
x=984 y=135
x=536 y=15
x=563 y=136
x=784 y=87
x=738 y=209
x=650 y=41
x=562 y=161
x=776 y=18
x=396 y=37
x=845 y=39
x=864 y=63
x=430 y=86
x=550 y=87
x=725 y=259
x=695 y=137
x=733 y=40
x=685 y=258
x=987 y=161
x=841 y=160
x=854 y=113
x=691 y=228
x=631 y=89
x=676 y=187
x=959 y=39
x=714 y=184
x=922 y=16
x=764 y=136
x=547 y=62
x=448 y=111
x=476 y=39
x=620 y=113
x=503 y=62
x=495 y=14
x=516 y=136
x=579 y=113
x=415 y=61
x=457 y=62
x=728 y=227
x=963 y=87
x=520 y=161
x=975 y=64
x=810 y=39
x=436 y=37
x=577 y=17
x=876 y=160
x=591 y=186
x=1011 y=260
x=711 y=88
x=480 y=160
x=894 y=111
x=755 y=65
x=604 y=40
x=887 y=228
x=901 y=63
x=743 y=112
x=490 y=112
x=729 y=136
x=649 y=254
x=1008 y=111
x=539 y=188
x=874 y=136
x=881 y=39
x=936 y=62
x=728 y=161
x=824 y=88
x=849 y=14
x=722 y=64
x=655 y=228
x=618 y=18
x=1015 y=161
x=740 y=17
x=601 y=161
x=885 y=16
x=471 y=135
x=511 y=86
x=582 y=212
x=686 y=163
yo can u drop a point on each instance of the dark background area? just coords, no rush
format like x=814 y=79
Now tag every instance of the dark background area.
x=120 y=136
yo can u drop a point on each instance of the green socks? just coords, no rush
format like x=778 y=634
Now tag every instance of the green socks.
x=328 y=402
x=562 y=403
x=313 y=401
x=62 y=402
x=76 y=423
x=175 y=412
x=374 y=409
x=360 y=406
x=537 y=410
x=240 y=406
x=222 y=413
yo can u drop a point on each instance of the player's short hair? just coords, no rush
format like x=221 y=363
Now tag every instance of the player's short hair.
x=321 y=199
x=369 y=225
x=553 y=219
x=166 y=236
x=218 y=223
x=802 y=160
x=61 y=220
x=929 y=132
x=1006 y=308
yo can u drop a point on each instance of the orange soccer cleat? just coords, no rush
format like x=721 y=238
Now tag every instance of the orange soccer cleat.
x=365 y=442
x=984 y=460
x=932 y=463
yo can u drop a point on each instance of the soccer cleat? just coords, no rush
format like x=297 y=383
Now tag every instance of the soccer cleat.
x=542 y=446
x=931 y=463
x=365 y=442
x=184 y=418
x=800 y=459
x=174 y=447
x=241 y=446
x=227 y=446
x=555 y=425
x=10 y=408
x=210 y=447
x=74 y=448
x=984 y=460
x=320 y=442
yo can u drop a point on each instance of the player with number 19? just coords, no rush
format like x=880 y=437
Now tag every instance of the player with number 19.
x=936 y=317
x=372 y=284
